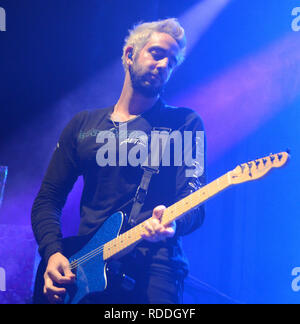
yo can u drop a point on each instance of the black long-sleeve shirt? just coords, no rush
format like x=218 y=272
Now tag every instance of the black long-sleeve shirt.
x=107 y=188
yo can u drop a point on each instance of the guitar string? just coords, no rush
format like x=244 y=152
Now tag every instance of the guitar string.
x=89 y=255
x=99 y=250
x=75 y=263
x=86 y=257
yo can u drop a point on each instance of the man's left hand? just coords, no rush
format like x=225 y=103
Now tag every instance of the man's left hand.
x=154 y=230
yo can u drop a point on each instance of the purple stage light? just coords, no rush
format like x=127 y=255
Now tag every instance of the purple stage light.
x=3 y=176
x=239 y=100
x=198 y=19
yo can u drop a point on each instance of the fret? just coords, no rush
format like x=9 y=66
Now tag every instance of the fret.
x=172 y=213
x=123 y=241
x=242 y=173
x=195 y=199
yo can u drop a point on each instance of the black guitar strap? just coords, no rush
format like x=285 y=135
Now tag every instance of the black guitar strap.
x=149 y=170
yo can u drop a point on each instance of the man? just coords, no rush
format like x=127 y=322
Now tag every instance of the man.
x=151 y=53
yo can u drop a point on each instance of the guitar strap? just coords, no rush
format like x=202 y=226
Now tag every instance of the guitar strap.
x=155 y=156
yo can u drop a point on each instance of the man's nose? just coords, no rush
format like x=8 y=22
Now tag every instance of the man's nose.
x=163 y=68
x=163 y=63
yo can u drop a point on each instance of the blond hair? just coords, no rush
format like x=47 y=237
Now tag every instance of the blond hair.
x=141 y=33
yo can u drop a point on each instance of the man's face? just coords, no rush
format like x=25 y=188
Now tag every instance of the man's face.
x=154 y=64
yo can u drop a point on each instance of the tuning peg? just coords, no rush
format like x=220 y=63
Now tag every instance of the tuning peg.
x=250 y=166
x=242 y=167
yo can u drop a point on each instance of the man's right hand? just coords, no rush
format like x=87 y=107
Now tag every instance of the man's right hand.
x=57 y=272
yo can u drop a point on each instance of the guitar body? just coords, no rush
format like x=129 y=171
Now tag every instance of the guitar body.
x=91 y=269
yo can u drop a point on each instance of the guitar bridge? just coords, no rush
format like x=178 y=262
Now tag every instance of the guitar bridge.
x=118 y=277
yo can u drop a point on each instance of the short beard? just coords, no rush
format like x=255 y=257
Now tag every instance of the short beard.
x=138 y=84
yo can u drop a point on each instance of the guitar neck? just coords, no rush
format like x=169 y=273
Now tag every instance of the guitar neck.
x=172 y=213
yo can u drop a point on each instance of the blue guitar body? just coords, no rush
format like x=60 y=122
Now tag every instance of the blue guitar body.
x=90 y=270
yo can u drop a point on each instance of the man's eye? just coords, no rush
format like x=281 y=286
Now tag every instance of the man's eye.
x=157 y=56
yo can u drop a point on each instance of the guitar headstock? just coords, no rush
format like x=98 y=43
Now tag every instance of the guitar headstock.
x=256 y=169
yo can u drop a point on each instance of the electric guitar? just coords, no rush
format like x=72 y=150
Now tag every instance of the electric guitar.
x=89 y=257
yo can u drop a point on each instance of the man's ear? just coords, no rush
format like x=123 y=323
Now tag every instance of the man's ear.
x=129 y=54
